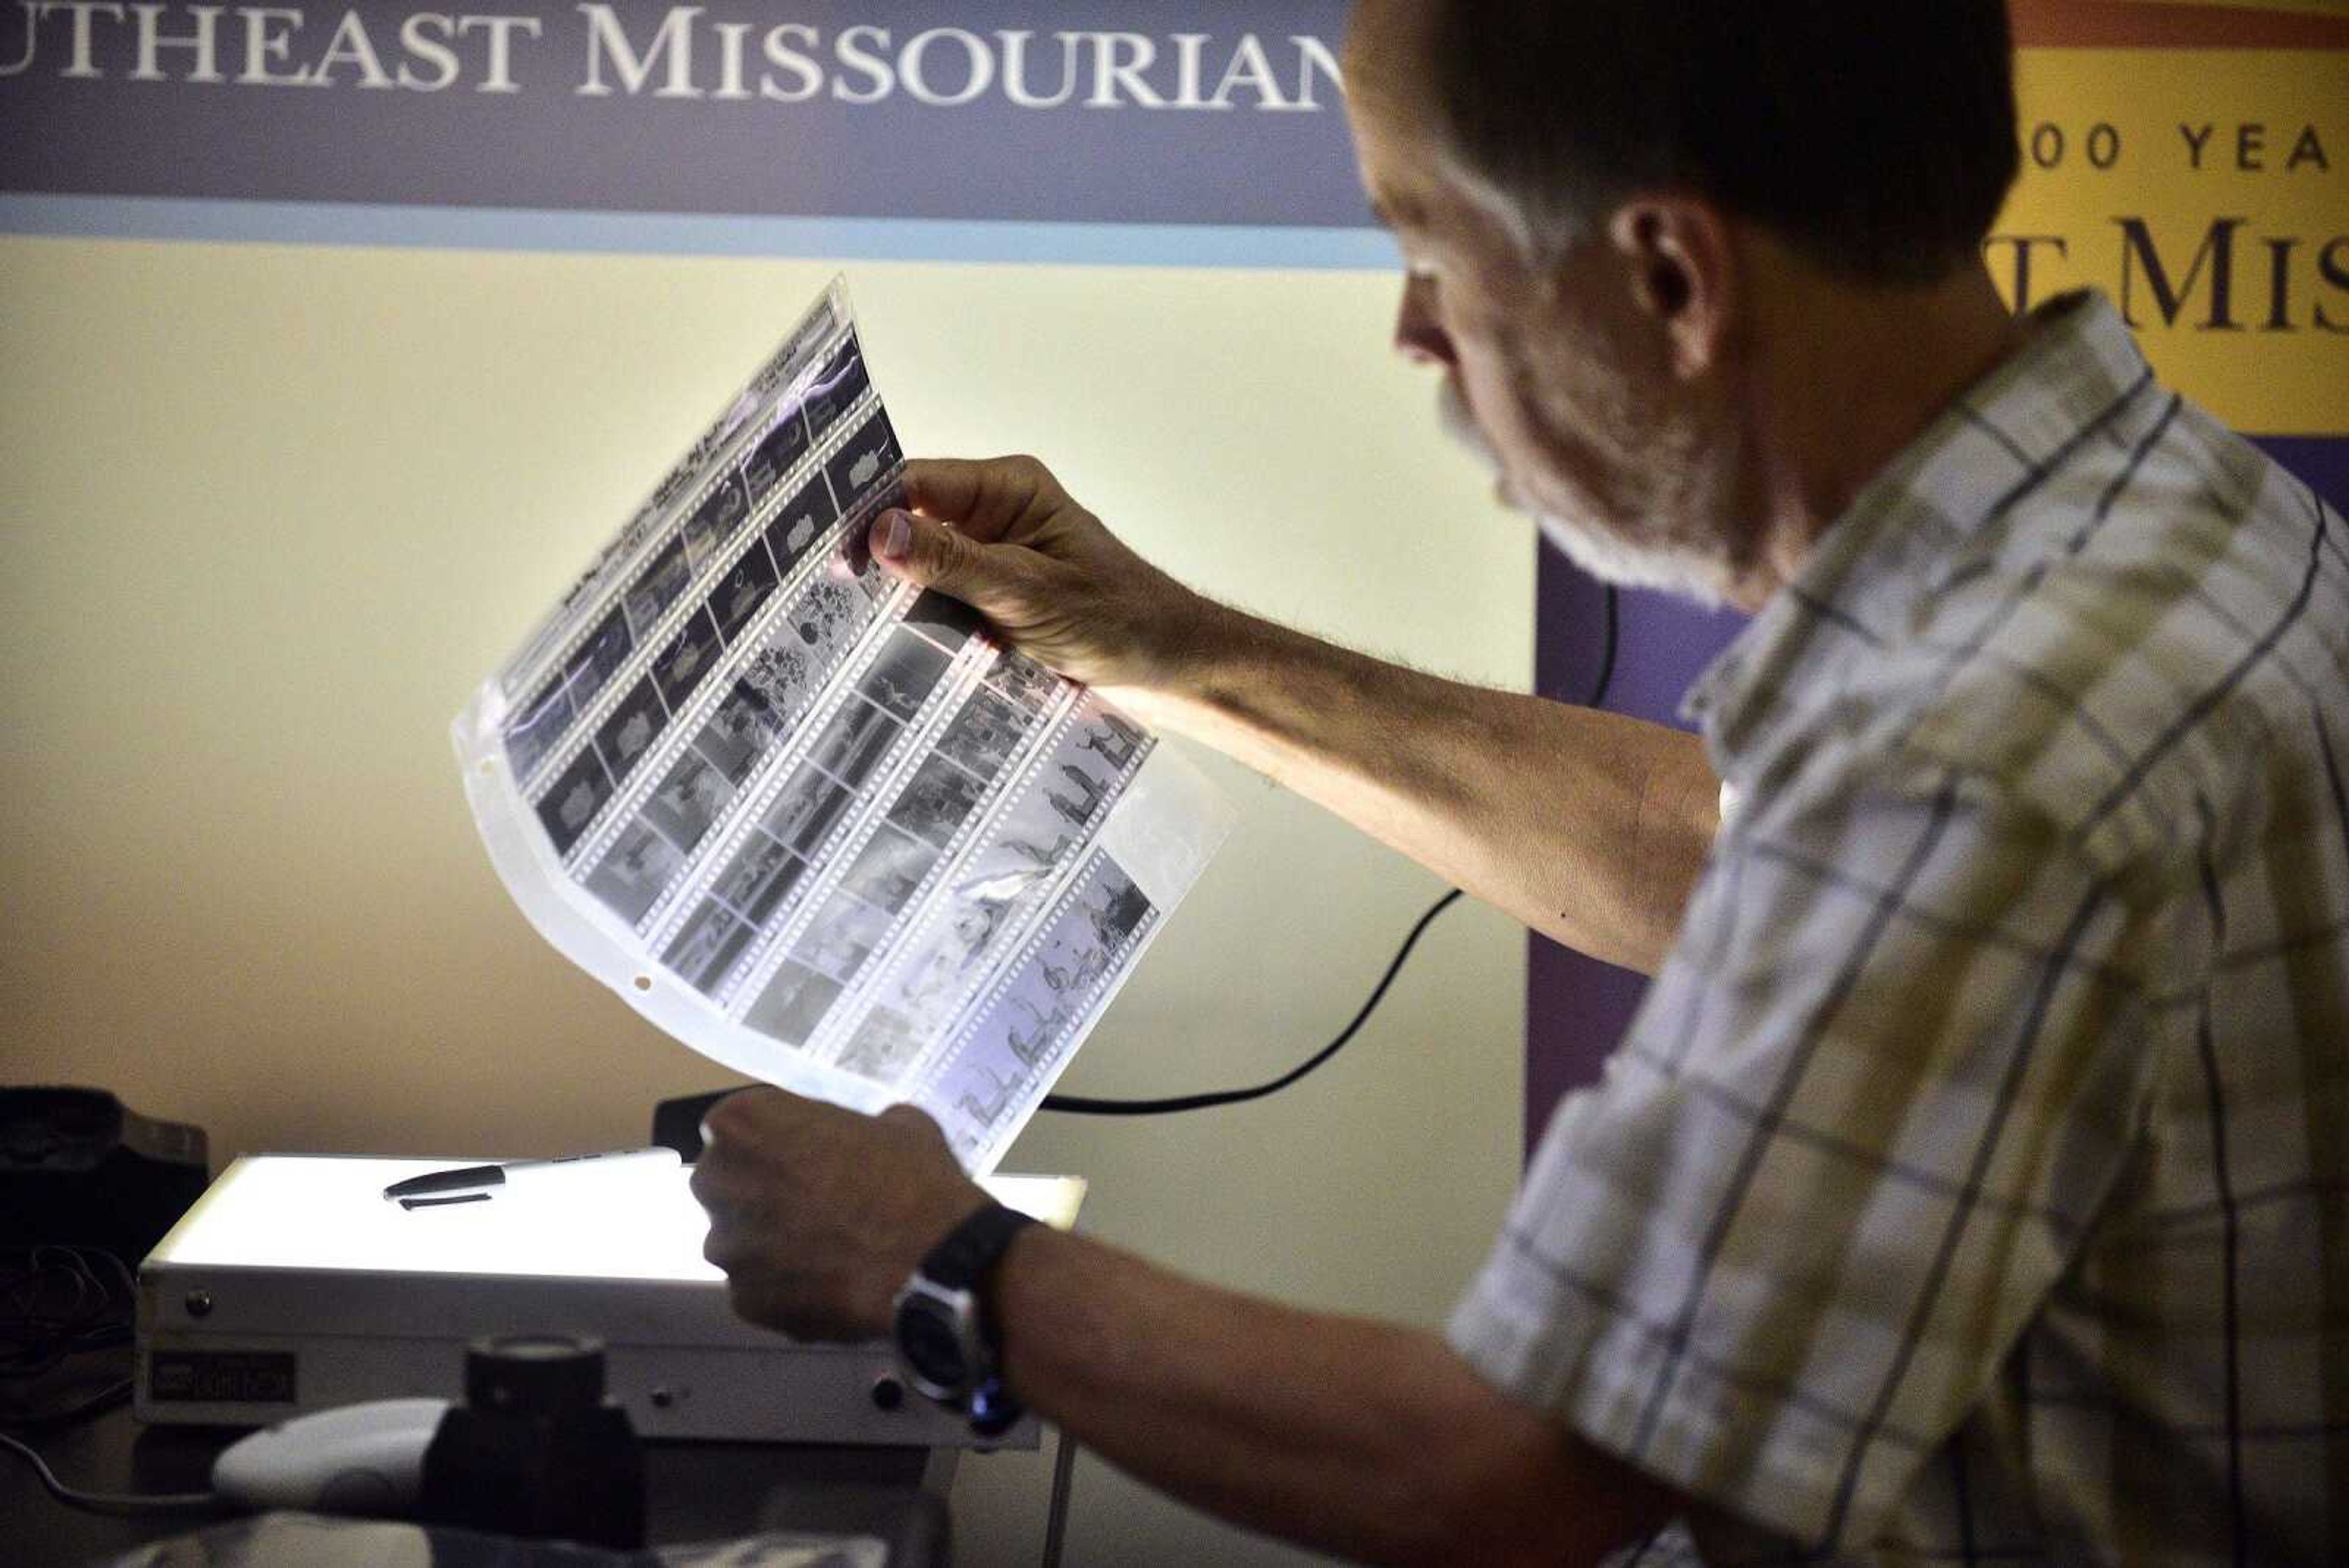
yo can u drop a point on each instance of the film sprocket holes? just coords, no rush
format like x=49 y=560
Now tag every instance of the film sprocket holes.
x=818 y=826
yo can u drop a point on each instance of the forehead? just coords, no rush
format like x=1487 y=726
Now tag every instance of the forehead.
x=1402 y=146
x=1387 y=34
x=1386 y=67
x=1395 y=133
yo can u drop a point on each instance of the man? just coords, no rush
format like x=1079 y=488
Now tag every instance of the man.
x=1969 y=1186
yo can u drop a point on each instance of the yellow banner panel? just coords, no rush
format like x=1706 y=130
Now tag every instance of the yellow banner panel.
x=2207 y=191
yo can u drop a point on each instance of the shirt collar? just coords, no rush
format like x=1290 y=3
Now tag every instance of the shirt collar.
x=2078 y=365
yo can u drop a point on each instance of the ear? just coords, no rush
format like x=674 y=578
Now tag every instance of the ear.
x=1680 y=261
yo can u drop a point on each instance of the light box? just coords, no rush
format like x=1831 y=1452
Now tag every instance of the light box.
x=292 y=1285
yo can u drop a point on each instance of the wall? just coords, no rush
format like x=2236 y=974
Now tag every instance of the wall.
x=271 y=512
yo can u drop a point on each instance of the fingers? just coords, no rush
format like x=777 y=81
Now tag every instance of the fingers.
x=817 y=1212
x=916 y=1119
x=931 y=554
x=739 y=1114
x=982 y=497
x=727 y=1193
x=729 y=1181
x=732 y=1131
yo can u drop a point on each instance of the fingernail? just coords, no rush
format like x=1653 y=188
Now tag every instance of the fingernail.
x=897 y=534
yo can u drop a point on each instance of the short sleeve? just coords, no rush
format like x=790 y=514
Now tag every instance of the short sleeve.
x=1876 y=1094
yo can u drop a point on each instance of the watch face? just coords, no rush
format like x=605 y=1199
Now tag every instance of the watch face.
x=929 y=1338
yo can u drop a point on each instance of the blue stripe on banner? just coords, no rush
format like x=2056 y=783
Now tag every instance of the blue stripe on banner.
x=687 y=233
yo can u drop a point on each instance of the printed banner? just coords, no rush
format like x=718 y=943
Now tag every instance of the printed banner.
x=2204 y=187
x=1164 y=114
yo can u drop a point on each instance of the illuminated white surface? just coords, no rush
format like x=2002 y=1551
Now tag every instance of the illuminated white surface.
x=625 y=1221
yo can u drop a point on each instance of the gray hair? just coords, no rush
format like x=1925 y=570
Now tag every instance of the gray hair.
x=1879 y=139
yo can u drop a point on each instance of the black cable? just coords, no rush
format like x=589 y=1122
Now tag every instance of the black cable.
x=1091 y=1107
x=1083 y=1105
x=111 y=1502
x=1606 y=655
x=1055 y=1517
x=56 y=1304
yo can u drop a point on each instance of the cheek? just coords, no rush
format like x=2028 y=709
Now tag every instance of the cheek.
x=1548 y=407
x=1489 y=390
x=1539 y=439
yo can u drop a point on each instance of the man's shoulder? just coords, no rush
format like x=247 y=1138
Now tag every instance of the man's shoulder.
x=2078 y=592
x=2118 y=651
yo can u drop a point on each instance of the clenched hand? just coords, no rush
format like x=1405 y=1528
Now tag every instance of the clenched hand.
x=818 y=1214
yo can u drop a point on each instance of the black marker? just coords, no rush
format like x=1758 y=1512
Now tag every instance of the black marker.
x=481 y=1181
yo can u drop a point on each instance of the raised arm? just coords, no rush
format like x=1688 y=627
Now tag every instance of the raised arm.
x=1588 y=826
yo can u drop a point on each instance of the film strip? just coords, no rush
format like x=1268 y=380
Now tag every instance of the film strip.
x=852 y=771
x=813 y=821
x=693 y=602
x=733 y=683
x=559 y=633
x=1030 y=1020
x=997 y=869
x=915 y=817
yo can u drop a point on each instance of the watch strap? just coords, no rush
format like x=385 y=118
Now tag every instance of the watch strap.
x=970 y=1252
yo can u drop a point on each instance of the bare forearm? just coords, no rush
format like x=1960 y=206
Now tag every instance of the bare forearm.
x=1589 y=826
x=1349 y=1436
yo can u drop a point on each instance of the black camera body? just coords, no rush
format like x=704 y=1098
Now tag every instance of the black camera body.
x=536 y=1450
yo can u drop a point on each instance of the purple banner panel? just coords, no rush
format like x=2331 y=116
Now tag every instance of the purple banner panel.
x=1177 y=111
x=1577 y=1008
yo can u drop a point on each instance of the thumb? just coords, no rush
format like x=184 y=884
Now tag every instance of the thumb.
x=930 y=555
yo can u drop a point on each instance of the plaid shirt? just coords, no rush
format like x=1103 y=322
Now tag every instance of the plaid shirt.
x=1974 y=1183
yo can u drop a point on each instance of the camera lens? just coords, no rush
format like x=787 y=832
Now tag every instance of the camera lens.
x=536 y=1450
x=534 y=1375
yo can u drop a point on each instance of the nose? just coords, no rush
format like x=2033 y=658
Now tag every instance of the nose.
x=1418 y=336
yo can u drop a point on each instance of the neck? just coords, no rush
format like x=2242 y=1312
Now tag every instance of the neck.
x=1845 y=377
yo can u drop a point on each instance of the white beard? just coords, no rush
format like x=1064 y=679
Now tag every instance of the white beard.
x=1607 y=556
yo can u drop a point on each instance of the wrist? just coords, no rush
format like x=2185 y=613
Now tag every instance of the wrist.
x=994 y=1294
x=892 y=1265
x=946 y=1336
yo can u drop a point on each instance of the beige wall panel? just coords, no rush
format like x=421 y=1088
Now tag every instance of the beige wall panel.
x=268 y=513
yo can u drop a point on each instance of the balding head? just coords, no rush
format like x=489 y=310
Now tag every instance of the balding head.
x=1877 y=139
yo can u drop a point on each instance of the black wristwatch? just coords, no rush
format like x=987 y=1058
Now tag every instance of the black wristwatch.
x=944 y=1339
